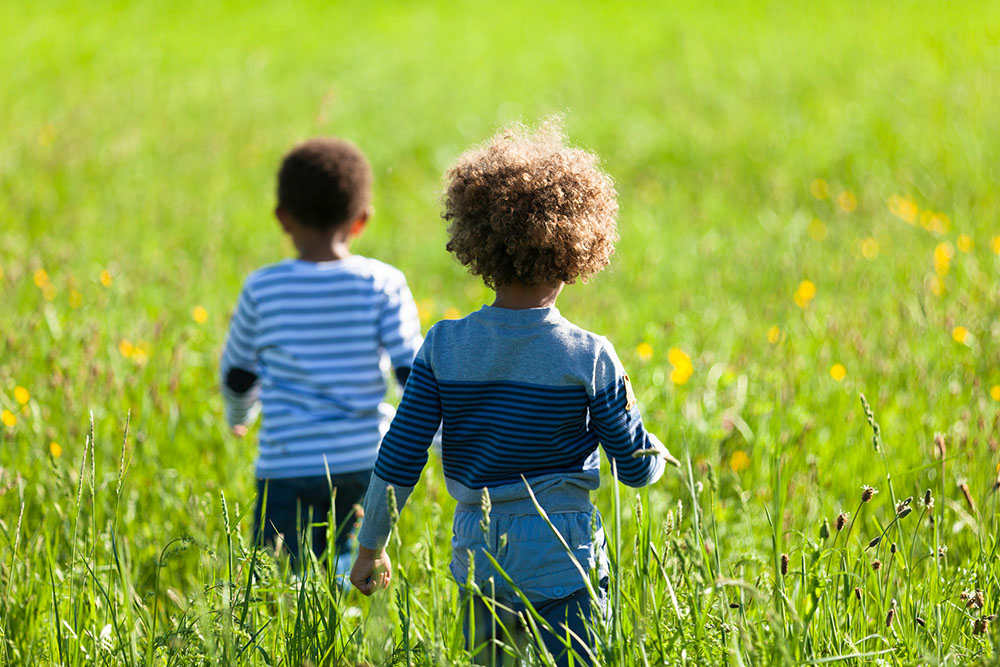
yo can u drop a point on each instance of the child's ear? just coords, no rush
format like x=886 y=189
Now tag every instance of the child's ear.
x=359 y=223
x=284 y=218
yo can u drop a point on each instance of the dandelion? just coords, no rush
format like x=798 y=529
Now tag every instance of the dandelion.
x=55 y=449
x=105 y=277
x=425 y=307
x=41 y=278
x=817 y=230
x=964 y=488
x=682 y=367
x=876 y=565
x=774 y=333
x=943 y=253
x=841 y=521
x=964 y=243
x=869 y=248
x=936 y=223
x=199 y=314
x=784 y=564
x=644 y=350
x=819 y=189
x=126 y=347
x=960 y=334
x=8 y=418
x=739 y=461
x=995 y=245
x=75 y=299
x=867 y=493
x=21 y=395
x=451 y=313
x=903 y=208
x=847 y=201
x=838 y=372
x=995 y=392
x=804 y=294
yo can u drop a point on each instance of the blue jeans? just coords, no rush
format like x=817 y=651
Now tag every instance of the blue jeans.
x=575 y=612
x=300 y=506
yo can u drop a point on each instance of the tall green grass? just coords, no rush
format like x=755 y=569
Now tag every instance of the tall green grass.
x=755 y=147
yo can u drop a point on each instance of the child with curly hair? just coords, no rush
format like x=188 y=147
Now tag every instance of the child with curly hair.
x=523 y=396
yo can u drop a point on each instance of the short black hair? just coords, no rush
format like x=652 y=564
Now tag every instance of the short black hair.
x=325 y=182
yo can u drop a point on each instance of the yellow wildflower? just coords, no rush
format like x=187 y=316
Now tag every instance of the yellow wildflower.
x=644 y=350
x=55 y=449
x=817 y=230
x=846 y=201
x=75 y=299
x=105 y=277
x=869 y=248
x=936 y=223
x=8 y=418
x=199 y=314
x=425 y=307
x=936 y=285
x=904 y=209
x=960 y=334
x=838 y=372
x=943 y=253
x=739 y=461
x=451 y=313
x=21 y=395
x=41 y=278
x=682 y=367
x=126 y=347
x=804 y=294
x=995 y=392
x=819 y=189
x=773 y=334
x=140 y=355
x=995 y=244
x=964 y=243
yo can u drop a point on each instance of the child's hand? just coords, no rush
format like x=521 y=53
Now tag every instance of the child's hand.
x=239 y=430
x=372 y=569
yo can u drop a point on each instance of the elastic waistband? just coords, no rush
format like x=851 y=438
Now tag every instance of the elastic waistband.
x=561 y=499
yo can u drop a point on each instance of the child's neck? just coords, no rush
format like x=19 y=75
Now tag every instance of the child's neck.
x=522 y=297
x=327 y=253
x=322 y=246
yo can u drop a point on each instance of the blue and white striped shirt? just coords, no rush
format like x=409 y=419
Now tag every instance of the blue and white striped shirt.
x=315 y=335
x=516 y=392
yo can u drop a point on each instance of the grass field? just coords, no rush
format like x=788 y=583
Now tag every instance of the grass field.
x=809 y=212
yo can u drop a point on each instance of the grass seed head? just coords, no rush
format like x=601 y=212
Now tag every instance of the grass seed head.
x=889 y=617
x=964 y=488
x=784 y=564
x=841 y=521
x=824 y=530
x=876 y=565
x=979 y=626
x=942 y=449
x=874 y=543
x=867 y=493
x=976 y=600
x=921 y=622
x=892 y=548
x=857 y=593
x=928 y=500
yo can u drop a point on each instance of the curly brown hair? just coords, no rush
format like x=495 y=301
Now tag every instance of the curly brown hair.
x=525 y=209
x=325 y=182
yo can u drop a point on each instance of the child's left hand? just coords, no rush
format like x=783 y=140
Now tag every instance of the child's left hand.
x=239 y=430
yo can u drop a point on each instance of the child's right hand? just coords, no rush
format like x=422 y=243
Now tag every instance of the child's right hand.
x=372 y=569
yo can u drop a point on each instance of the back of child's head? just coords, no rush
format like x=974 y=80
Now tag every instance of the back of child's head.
x=525 y=209
x=325 y=182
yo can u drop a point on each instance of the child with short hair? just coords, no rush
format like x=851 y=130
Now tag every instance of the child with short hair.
x=523 y=395
x=307 y=343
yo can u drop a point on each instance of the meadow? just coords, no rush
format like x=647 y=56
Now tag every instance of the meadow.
x=809 y=214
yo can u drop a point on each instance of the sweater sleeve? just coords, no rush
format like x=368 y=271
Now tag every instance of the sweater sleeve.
x=403 y=453
x=399 y=326
x=240 y=378
x=615 y=418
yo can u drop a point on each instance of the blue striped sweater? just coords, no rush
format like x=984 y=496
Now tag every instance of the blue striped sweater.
x=516 y=393
x=314 y=339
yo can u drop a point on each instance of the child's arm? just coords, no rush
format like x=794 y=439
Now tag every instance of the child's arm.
x=401 y=459
x=240 y=381
x=615 y=417
x=399 y=328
